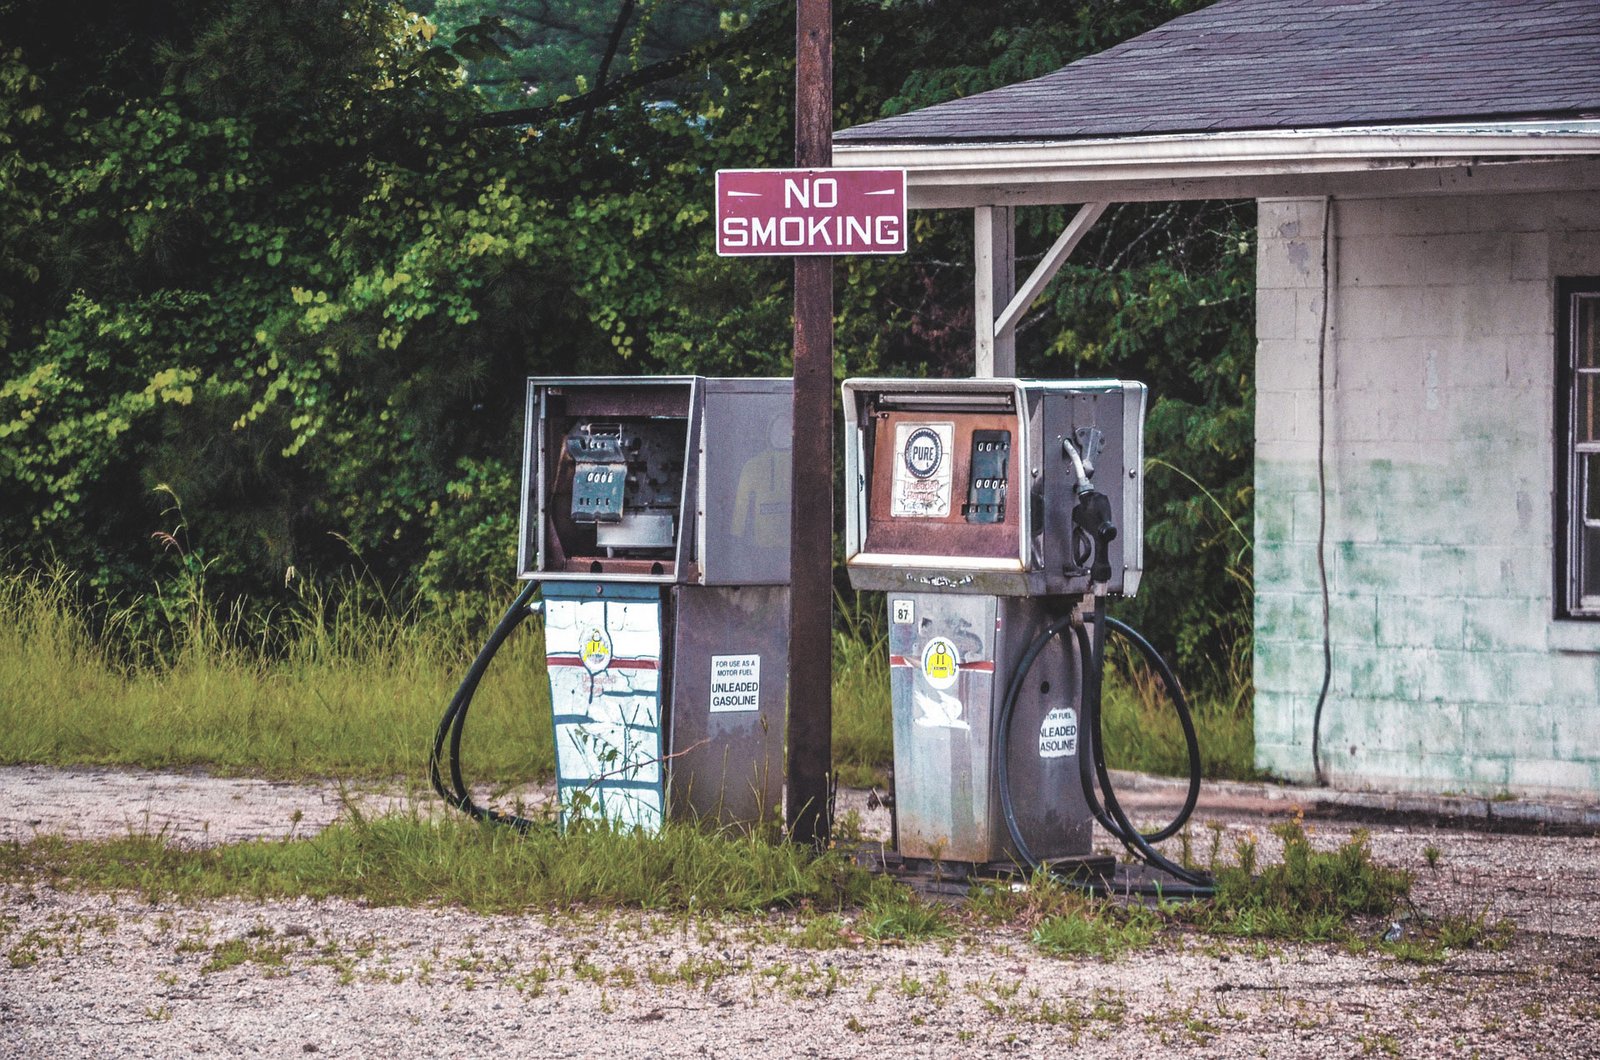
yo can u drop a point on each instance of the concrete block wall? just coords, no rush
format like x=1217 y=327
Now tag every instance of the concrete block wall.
x=1449 y=671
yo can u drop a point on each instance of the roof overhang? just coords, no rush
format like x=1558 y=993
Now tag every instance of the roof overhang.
x=1256 y=164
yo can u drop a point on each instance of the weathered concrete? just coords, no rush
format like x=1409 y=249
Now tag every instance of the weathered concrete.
x=1449 y=671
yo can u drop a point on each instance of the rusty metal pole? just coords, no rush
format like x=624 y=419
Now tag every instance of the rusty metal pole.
x=810 y=750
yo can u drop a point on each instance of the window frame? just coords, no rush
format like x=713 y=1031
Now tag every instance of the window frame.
x=1571 y=561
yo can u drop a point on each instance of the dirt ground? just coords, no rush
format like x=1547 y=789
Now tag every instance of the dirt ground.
x=115 y=976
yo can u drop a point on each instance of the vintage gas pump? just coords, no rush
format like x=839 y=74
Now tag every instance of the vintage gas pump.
x=655 y=521
x=996 y=514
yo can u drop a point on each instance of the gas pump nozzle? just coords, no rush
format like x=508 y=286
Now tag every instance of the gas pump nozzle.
x=1092 y=514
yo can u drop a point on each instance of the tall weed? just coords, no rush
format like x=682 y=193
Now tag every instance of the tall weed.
x=340 y=684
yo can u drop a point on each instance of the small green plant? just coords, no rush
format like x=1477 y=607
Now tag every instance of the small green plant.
x=892 y=912
x=1432 y=941
x=823 y=932
x=1310 y=894
x=1105 y=930
x=1430 y=854
x=239 y=951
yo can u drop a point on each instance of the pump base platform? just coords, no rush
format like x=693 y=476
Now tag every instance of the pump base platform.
x=956 y=878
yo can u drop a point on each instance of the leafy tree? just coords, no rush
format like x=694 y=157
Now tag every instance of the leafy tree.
x=539 y=51
x=290 y=262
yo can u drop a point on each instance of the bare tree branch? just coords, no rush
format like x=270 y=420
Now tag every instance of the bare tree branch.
x=617 y=28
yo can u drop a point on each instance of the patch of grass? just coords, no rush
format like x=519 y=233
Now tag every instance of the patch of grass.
x=341 y=683
x=239 y=951
x=862 y=732
x=824 y=932
x=1099 y=930
x=1025 y=906
x=345 y=682
x=894 y=913
x=1310 y=895
x=406 y=860
x=1142 y=732
x=1434 y=940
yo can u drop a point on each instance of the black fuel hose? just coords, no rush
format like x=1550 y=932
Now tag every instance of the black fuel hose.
x=1092 y=765
x=455 y=719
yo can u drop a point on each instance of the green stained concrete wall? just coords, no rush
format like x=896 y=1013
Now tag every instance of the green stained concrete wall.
x=1449 y=671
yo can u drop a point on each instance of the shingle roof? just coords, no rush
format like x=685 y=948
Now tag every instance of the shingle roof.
x=1283 y=64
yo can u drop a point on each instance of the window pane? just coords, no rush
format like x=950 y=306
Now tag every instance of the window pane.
x=1589 y=565
x=1590 y=480
x=1586 y=422
x=1586 y=332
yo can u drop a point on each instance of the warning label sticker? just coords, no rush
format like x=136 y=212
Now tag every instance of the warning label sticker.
x=941 y=663
x=735 y=683
x=922 y=470
x=1058 y=736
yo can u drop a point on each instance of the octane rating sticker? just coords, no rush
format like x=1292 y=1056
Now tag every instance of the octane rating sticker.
x=941 y=663
x=596 y=652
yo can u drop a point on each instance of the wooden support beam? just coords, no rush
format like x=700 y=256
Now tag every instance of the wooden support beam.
x=810 y=729
x=994 y=235
x=1005 y=326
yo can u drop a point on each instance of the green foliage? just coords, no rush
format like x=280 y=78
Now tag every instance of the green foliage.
x=284 y=262
x=892 y=912
x=863 y=742
x=1310 y=893
x=530 y=54
x=1103 y=930
x=411 y=860
x=338 y=683
x=1142 y=731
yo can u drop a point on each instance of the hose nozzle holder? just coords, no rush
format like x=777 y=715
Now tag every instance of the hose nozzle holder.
x=1092 y=514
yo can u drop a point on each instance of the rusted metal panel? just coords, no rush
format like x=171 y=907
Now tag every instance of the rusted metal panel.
x=746 y=444
x=729 y=684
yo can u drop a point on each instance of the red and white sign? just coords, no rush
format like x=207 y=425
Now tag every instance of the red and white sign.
x=810 y=211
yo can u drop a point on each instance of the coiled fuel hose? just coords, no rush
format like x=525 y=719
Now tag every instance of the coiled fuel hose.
x=447 y=741
x=1092 y=771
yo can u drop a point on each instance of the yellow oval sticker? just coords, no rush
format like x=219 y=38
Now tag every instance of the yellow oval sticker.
x=596 y=650
x=941 y=663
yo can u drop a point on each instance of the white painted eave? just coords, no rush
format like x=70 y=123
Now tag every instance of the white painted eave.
x=1251 y=162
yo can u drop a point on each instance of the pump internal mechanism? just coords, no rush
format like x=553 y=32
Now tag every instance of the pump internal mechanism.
x=626 y=481
x=999 y=515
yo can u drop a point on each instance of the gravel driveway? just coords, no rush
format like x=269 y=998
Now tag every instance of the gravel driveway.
x=114 y=976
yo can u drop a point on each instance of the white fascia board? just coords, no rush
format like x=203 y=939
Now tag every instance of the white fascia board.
x=1223 y=156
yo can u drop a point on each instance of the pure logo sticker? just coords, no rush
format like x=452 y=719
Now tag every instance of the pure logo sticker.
x=1058 y=735
x=941 y=663
x=596 y=653
x=922 y=471
x=924 y=452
